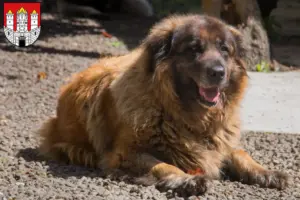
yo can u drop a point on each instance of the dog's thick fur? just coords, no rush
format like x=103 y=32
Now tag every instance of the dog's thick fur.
x=139 y=111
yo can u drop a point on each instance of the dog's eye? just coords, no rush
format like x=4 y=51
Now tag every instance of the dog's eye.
x=224 y=48
x=196 y=48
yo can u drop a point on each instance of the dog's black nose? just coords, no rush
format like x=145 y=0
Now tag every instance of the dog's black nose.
x=216 y=73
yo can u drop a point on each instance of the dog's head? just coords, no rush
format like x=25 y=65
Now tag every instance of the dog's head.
x=200 y=56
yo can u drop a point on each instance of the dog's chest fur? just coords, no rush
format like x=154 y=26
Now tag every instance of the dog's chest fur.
x=177 y=144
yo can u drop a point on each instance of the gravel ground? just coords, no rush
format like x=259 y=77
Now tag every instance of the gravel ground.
x=66 y=47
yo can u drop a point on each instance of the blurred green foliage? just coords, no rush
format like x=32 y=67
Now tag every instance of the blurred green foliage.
x=263 y=67
x=116 y=44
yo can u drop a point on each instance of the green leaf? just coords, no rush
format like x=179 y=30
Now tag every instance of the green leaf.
x=263 y=67
x=117 y=44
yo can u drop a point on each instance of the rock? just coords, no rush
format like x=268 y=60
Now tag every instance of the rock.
x=20 y=184
x=256 y=43
x=2 y=196
x=287 y=16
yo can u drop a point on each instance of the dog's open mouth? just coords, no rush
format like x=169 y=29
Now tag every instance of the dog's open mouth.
x=209 y=96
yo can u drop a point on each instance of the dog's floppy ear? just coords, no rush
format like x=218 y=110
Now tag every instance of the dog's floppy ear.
x=160 y=45
x=239 y=41
x=160 y=40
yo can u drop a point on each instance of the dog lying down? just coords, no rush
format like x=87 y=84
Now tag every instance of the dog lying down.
x=169 y=109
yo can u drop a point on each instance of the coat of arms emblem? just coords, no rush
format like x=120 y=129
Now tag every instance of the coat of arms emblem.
x=22 y=23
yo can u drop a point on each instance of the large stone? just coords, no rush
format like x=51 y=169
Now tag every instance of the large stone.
x=287 y=16
x=285 y=32
x=287 y=54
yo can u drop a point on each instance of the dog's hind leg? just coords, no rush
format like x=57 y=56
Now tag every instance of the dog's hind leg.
x=54 y=146
x=74 y=154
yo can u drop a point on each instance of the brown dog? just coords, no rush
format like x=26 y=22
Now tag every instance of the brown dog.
x=169 y=109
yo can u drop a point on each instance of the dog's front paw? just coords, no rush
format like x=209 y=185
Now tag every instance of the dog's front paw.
x=270 y=179
x=184 y=185
x=276 y=179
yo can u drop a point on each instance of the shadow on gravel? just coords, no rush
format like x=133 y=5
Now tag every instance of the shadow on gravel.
x=52 y=28
x=64 y=170
x=49 y=50
x=58 y=169
x=130 y=30
x=55 y=27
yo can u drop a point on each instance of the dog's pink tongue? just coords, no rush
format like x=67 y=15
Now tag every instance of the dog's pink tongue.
x=210 y=94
